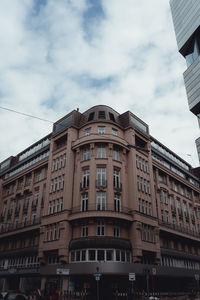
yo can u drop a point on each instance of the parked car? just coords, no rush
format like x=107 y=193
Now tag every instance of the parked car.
x=13 y=295
x=153 y=298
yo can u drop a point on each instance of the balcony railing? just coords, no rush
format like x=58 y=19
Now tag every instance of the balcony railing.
x=104 y=207
x=101 y=183
x=84 y=186
x=13 y=227
x=179 y=228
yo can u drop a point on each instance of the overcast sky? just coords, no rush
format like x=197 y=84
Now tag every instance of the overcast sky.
x=57 y=55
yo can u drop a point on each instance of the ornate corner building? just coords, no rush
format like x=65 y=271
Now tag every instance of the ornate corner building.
x=186 y=19
x=99 y=195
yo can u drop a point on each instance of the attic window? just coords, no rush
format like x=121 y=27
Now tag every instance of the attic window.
x=112 y=118
x=91 y=116
x=101 y=114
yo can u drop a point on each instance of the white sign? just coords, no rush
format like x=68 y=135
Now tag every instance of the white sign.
x=132 y=276
x=62 y=271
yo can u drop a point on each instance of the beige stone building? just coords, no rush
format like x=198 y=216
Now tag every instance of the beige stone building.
x=99 y=195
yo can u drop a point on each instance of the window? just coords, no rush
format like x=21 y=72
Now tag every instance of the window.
x=101 y=201
x=114 y=131
x=16 y=223
x=84 y=202
x=100 y=255
x=194 y=53
x=100 y=228
x=109 y=255
x=101 y=177
x=112 y=118
x=84 y=231
x=38 y=176
x=36 y=197
x=85 y=178
x=101 y=114
x=4 y=209
x=116 y=153
x=167 y=217
x=101 y=130
x=86 y=154
x=87 y=131
x=91 y=116
x=33 y=218
x=138 y=183
x=116 y=179
x=101 y=152
x=163 y=196
x=91 y=255
x=59 y=183
x=116 y=231
x=117 y=202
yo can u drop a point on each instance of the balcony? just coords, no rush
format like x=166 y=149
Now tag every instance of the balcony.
x=101 y=210
x=101 y=183
x=118 y=187
x=84 y=186
x=179 y=228
x=13 y=227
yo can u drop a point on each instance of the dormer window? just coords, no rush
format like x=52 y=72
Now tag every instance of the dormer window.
x=112 y=118
x=101 y=114
x=91 y=116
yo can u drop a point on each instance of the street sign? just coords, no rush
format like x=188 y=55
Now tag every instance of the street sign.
x=97 y=276
x=132 y=276
x=62 y=271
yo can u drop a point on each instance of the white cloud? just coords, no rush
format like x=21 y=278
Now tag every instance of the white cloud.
x=50 y=60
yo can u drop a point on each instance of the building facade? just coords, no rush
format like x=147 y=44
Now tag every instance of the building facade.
x=186 y=19
x=99 y=195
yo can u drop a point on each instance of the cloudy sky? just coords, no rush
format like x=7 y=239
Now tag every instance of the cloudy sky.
x=57 y=55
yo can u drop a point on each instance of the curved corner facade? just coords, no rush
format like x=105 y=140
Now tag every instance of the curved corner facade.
x=98 y=195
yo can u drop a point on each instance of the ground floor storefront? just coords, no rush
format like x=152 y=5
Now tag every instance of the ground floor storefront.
x=102 y=280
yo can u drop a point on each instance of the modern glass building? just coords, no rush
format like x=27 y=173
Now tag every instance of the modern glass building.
x=186 y=19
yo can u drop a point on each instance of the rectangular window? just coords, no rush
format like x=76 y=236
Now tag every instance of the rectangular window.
x=138 y=183
x=114 y=131
x=116 y=231
x=100 y=255
x=101 y=114
x=117 y=202
x=84 y=231
x=116 y=179
x=84 y=202
x=87 y=131
x=91 y=255
x=101 y=152
x=85 y=178
x=109 y=255
x=36 y=197
x=100 y=228
x=101 y=201
x=116 y=155
x=86 y=154
x=101 y=177
x=101 y=130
